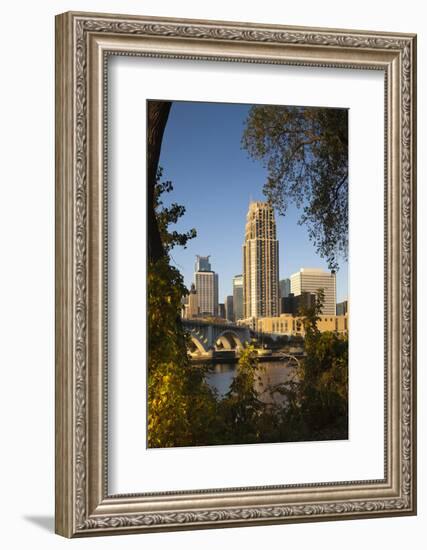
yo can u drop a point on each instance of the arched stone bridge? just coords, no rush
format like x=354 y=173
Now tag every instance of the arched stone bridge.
x=208 y=337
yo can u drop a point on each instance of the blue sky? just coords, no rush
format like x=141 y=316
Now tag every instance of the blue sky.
x=214 y=178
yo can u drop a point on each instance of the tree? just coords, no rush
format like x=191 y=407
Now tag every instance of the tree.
x=170 y=378
x=157 y=117
x=244 y=413
x=168 y=423
x=318 y=394
x=305 y=150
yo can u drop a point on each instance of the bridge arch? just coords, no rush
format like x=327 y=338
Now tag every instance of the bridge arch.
x=196 y=345
x=205 y=336
x=228 y=339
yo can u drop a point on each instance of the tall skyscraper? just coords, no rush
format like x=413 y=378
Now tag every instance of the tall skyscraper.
x=310 y=280
x=229 y=309
x=238 y=297
x=285 y=287
x=260 y=262
x=206 y=282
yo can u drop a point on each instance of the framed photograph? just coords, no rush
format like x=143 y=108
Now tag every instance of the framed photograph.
x=235 y=274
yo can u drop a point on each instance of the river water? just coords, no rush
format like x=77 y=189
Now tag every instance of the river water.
x=270 y=373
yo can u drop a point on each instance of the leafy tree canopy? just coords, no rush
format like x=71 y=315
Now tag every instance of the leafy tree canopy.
x=169 y=215
x=305 y=150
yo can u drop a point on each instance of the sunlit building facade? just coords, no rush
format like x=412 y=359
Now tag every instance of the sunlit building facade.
x=311 y=280
x=206 y=283
x=291 y=325
x=192 y=305
x=260 y=263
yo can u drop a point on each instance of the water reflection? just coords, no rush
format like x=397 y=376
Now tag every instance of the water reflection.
x=270 y=374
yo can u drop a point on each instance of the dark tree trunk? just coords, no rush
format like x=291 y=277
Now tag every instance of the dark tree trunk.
x=157 y=116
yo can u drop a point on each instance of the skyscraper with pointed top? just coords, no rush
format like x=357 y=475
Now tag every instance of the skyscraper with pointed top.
x=260 y=262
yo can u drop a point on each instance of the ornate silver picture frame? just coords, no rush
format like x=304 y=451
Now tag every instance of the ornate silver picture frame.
x=84 y=42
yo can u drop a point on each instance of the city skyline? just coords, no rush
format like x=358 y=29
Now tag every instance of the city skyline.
x=223 y=347
x=230 y=180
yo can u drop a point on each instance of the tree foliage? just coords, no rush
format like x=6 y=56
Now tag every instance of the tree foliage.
x=177 y=392
x=318 y=395
x=169 y=215
x=242 y=407
x=167 y=399
x=305 y=150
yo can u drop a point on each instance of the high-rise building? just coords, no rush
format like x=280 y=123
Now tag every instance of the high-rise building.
x=193 y=303
x=260 y=262
x=285 y=288
x=238 y=297
x=221 y=311
x=342 y=308
x=206 y=283
x=311 y=280
x=295 y=304
x=229 y=309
